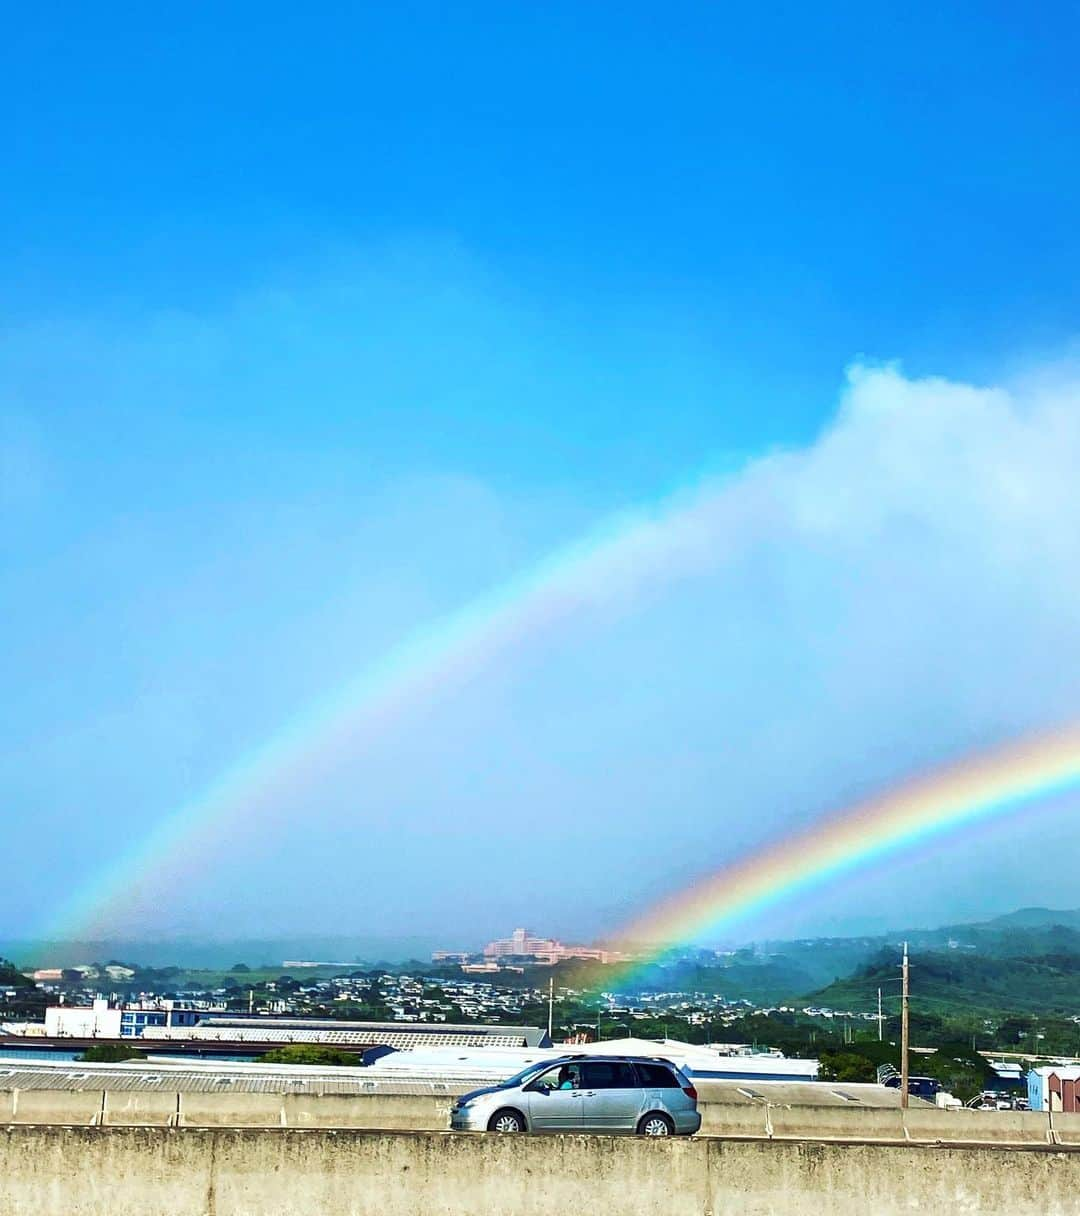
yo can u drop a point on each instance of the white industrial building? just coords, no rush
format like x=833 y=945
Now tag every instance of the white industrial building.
x=103 y=1021
x=96 y=1021
x=402 y=1036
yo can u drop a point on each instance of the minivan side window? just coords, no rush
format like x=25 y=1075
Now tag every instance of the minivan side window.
x=563 y=1076
x=605 y=1075
x=656 y=1076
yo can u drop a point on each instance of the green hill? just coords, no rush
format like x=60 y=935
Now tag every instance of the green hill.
x=965 y=982
x=1036 y=918
x=12 y=977
x=762 y=981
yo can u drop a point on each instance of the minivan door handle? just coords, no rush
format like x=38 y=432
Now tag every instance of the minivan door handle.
x=589 y=1093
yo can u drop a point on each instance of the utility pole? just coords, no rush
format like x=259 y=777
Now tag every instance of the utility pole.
x=880 y=1032
x=904 y=1032
x=551 y=1002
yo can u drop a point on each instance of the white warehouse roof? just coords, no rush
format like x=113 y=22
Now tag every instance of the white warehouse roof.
x=501 y=1062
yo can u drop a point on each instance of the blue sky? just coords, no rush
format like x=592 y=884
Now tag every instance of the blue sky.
x=316 y=325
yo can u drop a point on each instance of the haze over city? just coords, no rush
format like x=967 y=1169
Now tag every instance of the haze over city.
x=290 y=377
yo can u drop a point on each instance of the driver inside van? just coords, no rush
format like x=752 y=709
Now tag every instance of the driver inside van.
x=569 y=1077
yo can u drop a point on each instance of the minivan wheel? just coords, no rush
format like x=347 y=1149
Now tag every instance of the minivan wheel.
x=506 y=1121
x=655 y=1125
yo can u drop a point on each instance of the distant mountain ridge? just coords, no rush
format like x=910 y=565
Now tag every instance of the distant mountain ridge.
x=1024 y=960
x=1034 y=918
x=1027 y=961
x=219 y=952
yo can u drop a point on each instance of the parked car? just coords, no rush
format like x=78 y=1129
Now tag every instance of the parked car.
x=615 y=1094
x=918 y=1087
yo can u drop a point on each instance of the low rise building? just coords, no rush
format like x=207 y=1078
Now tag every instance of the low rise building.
x=1055 y=1087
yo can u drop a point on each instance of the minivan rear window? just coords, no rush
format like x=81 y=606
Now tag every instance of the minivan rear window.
x=656 y=1076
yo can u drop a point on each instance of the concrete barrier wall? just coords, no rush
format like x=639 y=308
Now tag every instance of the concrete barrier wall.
x=917 y=1123
x=419 y=1112
x=1011 y=1126
x=415 y=1112
x=112 y=1171
x=1066 y=1127
x=230 y=1110
x=719 y=1119
x=428 y=1112
x=56 y=1106
x=137 y=1108
x=837 y=1122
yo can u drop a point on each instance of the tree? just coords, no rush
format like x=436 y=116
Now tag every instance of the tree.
x=109 y=1053
x=240 y=968
x=846 y=1066
x=308 y=1053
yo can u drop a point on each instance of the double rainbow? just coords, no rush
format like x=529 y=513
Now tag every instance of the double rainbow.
x=675 y=537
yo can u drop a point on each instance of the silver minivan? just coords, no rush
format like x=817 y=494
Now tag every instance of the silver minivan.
x=614 y=1094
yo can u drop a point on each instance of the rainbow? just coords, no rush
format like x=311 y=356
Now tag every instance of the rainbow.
x=978 y=788
x=677 y=537
x=682 y=533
